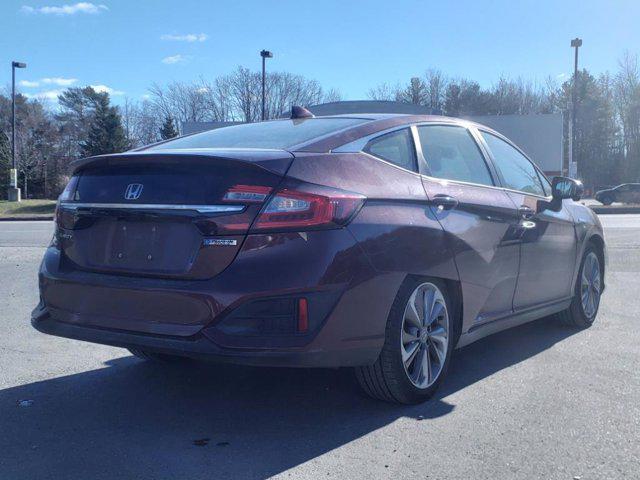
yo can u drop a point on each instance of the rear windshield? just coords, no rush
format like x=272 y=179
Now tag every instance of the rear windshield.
x=274 y=134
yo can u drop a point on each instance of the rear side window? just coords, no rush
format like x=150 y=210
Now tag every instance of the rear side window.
x=453 y=154
x=395 y=147
x=516 y=170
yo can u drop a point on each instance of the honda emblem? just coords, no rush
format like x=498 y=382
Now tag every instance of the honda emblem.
x=133 y=192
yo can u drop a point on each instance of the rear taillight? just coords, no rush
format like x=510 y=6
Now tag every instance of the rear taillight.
x=307 y=208
x=56 y=213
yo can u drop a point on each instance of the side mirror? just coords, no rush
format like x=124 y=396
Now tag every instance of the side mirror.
x=564 y=187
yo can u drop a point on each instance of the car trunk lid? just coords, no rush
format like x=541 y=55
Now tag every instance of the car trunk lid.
x=180 y=214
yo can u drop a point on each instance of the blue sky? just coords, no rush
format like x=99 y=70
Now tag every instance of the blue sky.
x=126 y=45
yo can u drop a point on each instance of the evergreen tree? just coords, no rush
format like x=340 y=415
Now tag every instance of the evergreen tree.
x=5 y=162
x=106 y=134
x=168 y=130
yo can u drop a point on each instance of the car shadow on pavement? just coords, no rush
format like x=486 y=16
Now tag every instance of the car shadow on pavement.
x=133 y=419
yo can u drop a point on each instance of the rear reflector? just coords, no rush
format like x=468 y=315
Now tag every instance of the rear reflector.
x=303 y=316
x=308 y=208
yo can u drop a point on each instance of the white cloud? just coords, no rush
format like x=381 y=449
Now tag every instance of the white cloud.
x=67 y=9
x=28 y=83
x=57 y=81
x=189 y=37
x=61 y=82
x=105 y=89
x=561 y=76
x=174 y=59
x=46 y=94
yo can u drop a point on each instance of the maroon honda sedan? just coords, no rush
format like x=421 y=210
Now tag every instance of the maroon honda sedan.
x=380 y=242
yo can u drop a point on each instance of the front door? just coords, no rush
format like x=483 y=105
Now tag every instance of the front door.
x=478 y=218
x=548 y=239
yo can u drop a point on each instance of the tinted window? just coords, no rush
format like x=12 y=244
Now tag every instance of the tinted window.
x=453 y=154
x=395 y=147
x=273 y=134
x=517 y=171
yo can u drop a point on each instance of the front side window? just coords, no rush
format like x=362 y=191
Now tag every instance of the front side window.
x=453 y=154
x=395 y=147
x=517 y=171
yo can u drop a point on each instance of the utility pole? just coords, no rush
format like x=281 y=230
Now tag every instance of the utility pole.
x=14 y=191
x=573 y=161
x=264 y=54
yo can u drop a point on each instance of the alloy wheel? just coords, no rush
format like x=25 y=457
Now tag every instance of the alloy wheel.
x=590 y=285
x=425 y=332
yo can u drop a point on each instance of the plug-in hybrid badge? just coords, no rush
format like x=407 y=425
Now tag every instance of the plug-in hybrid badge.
x=219 y=242
x=133 y=192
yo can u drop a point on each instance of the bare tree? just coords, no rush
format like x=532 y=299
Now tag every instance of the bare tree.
x=181 y=101
x=436 y=85
x=384 y=92
x=627 y=101
x=141 y=122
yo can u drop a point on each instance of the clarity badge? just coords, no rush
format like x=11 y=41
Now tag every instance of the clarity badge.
x=219 y=242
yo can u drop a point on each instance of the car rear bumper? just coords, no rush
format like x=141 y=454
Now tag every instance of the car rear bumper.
x=187 y=317
x=200 y=347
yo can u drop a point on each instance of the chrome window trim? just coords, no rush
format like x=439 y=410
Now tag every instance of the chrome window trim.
x=154 y=206
x=356 y=146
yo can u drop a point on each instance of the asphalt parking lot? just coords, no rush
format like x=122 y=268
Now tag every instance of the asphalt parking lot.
x=538 y=401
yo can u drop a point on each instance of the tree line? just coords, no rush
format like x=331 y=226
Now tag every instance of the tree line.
x=84 y=122
x=607 y=134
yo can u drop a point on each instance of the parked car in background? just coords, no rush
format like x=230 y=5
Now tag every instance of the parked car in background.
x=379 y=242
x=625 y=193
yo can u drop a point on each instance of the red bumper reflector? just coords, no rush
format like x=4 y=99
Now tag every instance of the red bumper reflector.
x=303 y=316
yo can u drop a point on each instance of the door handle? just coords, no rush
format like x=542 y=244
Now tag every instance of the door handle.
x=526 y=213
x=444 y=202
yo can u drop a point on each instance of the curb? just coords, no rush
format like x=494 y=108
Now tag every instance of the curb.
x=602 y=210
x=27 y=218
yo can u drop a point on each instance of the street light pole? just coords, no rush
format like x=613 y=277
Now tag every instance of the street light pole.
x=573 y=164
x=14 y=191
x=264 y=54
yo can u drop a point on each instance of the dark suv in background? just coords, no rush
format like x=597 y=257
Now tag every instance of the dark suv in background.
x=379 y=242
x=625 y=193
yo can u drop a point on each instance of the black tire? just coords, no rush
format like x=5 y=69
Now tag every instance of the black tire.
x=606 y=200
x=575 y=315
x=155 y=356
x=387 y=379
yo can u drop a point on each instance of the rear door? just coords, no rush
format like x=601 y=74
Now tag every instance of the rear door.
x=623 y=193
x=168 y=215
x=634 y=193
x=478 y=217
x=548 y=251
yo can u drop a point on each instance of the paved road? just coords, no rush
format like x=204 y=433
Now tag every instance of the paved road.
x=539 y=401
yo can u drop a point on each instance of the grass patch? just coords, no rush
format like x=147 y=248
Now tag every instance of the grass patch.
x=27 y=208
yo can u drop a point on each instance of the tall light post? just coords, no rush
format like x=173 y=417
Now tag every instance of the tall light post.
x=14 y=191
x=264 y=54
x=573 y=164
